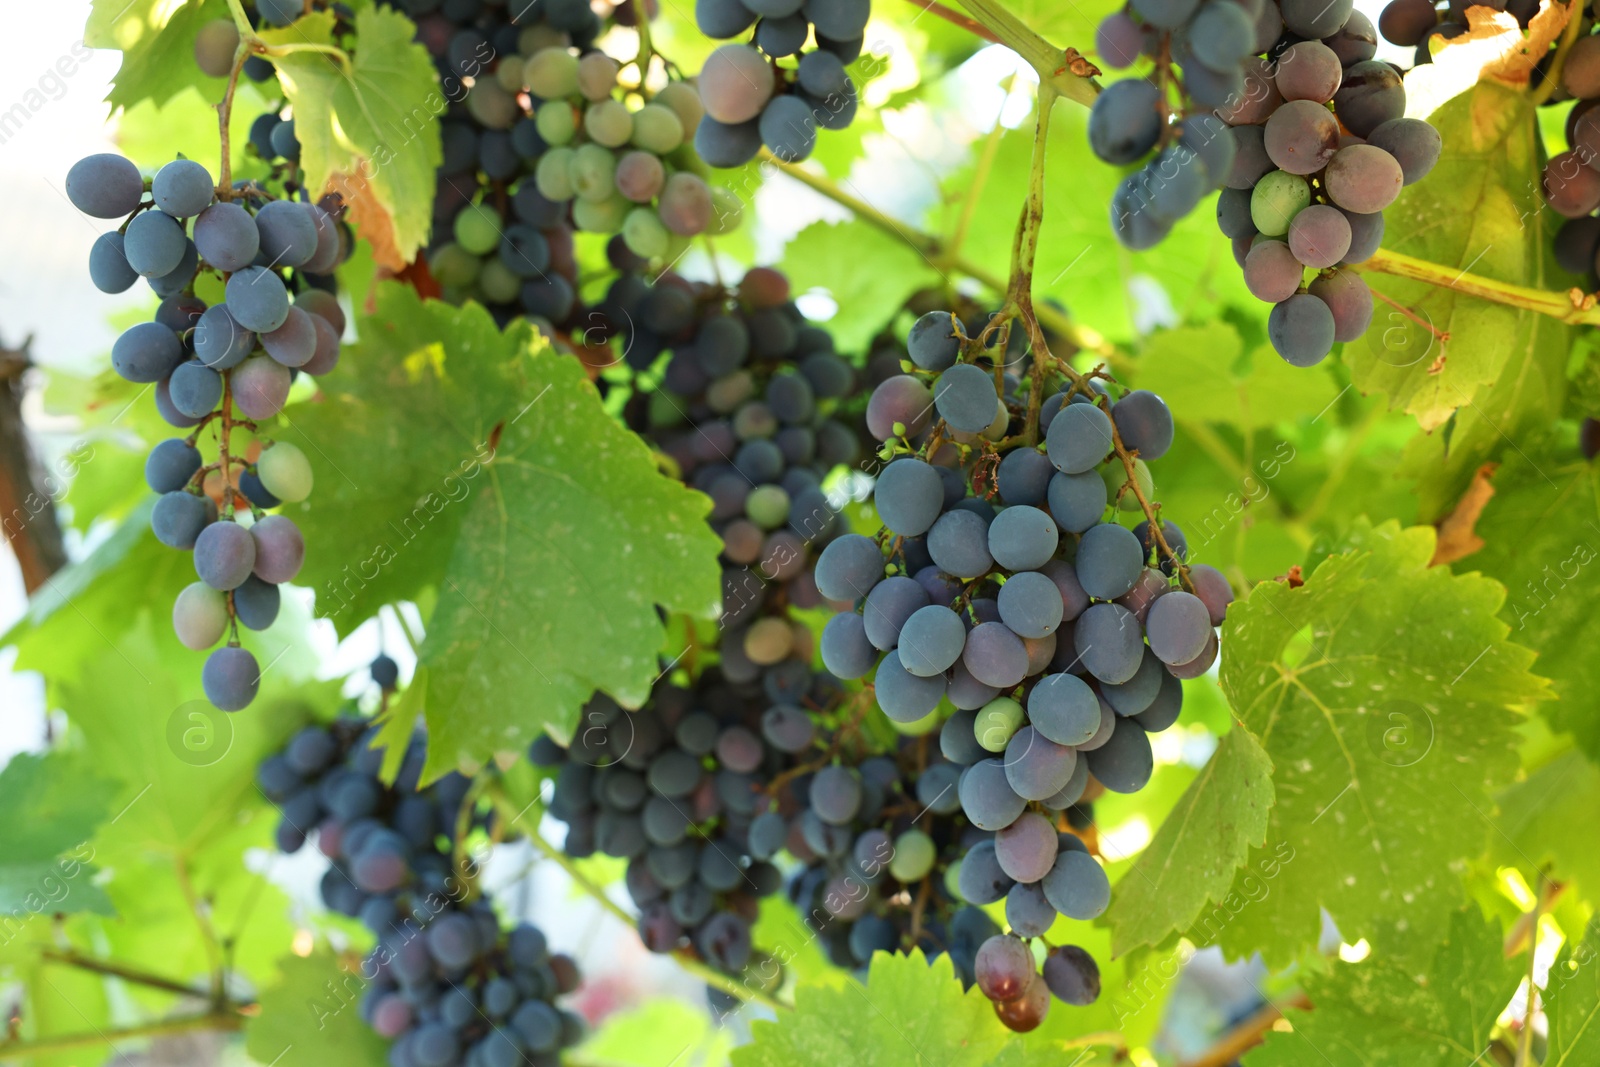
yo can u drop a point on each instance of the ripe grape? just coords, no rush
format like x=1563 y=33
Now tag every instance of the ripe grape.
x=1125 y=121
x=735 y=84
x=182 y=188
x=257 y=299
x=1319 y=237
x=146 y=352
x=154 y=244
x=231 y=678
x=105 y=185
x=1301 y=329
x=1004 y=967
x=1076 y=885
x=1349 y=301
x=1364 y=179
x=1072 y=975
x=1414 y=143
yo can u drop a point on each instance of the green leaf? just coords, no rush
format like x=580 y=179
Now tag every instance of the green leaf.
x=1384 y=1013
x=156 y=38
x=910 y=1012
x=1572 y=1003
x=1550 y=815
x=658 y=1033
x=371 y=134
x=1542 y=540
x=1380 y=690
x=312 y=1017
x=49 y=808
x=868 y=272
x=1203 y=841
x=1471 y=214
x=1195 y=369
x=450 y=455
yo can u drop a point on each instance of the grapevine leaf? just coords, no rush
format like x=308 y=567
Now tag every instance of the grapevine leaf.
x=1383 y=1013
x=312 y=1016
x=1501 y=372
x=1572 y=1003
x=51 y=806
x=1550 y=816
x=1189 y=367
x=1541 y=531
x=1380 y=691
x=868 y=272
x=452 y=456
x=62 y=1001
x=909 y=1012
x=1198 y=848
x=156 y=38
x=371 y=135
x=658 y=1033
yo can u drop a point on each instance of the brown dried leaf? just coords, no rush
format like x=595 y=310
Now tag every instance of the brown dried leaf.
x=368 y=215
x=1494 y=47
x=1458 y=537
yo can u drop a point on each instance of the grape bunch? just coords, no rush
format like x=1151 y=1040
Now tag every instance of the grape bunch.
x=751 y=101
x=678 y=789
x=447 y=984
x=1007 y=590
x=1571 y=179
x=1309 y=184
x=747 y=409
x=1416 y=22
x=389 y=847
x=218 y=370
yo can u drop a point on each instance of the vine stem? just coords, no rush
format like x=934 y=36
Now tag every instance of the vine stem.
x=712 y=977
x=311 y=46
x=127 y=974
x=225 y=117
x=1245 y=1036
x=1552 y=75
x=1573 y=307
x=1525 y=1039
x=972 y=26
x=182 y=1024
x=1067 y=72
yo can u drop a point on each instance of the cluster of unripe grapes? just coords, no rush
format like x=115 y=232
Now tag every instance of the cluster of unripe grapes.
x=1297 y=123
x=1004 y=585
x=751 y=100
x=447 y=984
x=219 y=370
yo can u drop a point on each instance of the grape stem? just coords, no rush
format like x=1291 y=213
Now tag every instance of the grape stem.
x=1245 y=1036
x=1573 y=307
x=1443 y=336
x=1552 y=75
x=956 y=18
x=127 y=974
x=1067 y=72
x=225 y=119
x=710 y=975
x=183 y=1024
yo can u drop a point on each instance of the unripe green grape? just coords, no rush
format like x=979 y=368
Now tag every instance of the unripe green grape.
x=551 y=73
x=497 y=283
x=509 y=75
x=727 y=210
x=608 y=123
x=597 y=75
x=593 y=172
x=644 y=234
x=657 y=128
x=767 y=505
x=452 y=265
x=600 y=216
x=285 y=472
x=556 y=122
x=478 y=230
x=684 y=100
x=553 y=175
x=996 y=722
x=1116 y=477
x=913 y=857
x=640 y=176
x=200 y=616
x=492 y=105
x=1277 y=198
x=538 y=36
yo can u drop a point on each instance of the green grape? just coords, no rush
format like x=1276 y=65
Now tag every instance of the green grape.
x=608 y=123
x=556 y=122
x=597 y=75
x=684 y=100
x=284 y=472
x=913 y=857
x=592 y=172
x=727 y=210
x=657 y=129
x=999 y=719
x=538 y=36
x=600 y=216
x=647 y=238
x=452 y=265
x=492 y=105
x=551 y=74
x=1276 y=200
x=553 y=175
x=1116 y=477
x=767 y=505
x=477 y=230
x=497 y=283
x=509 y=75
